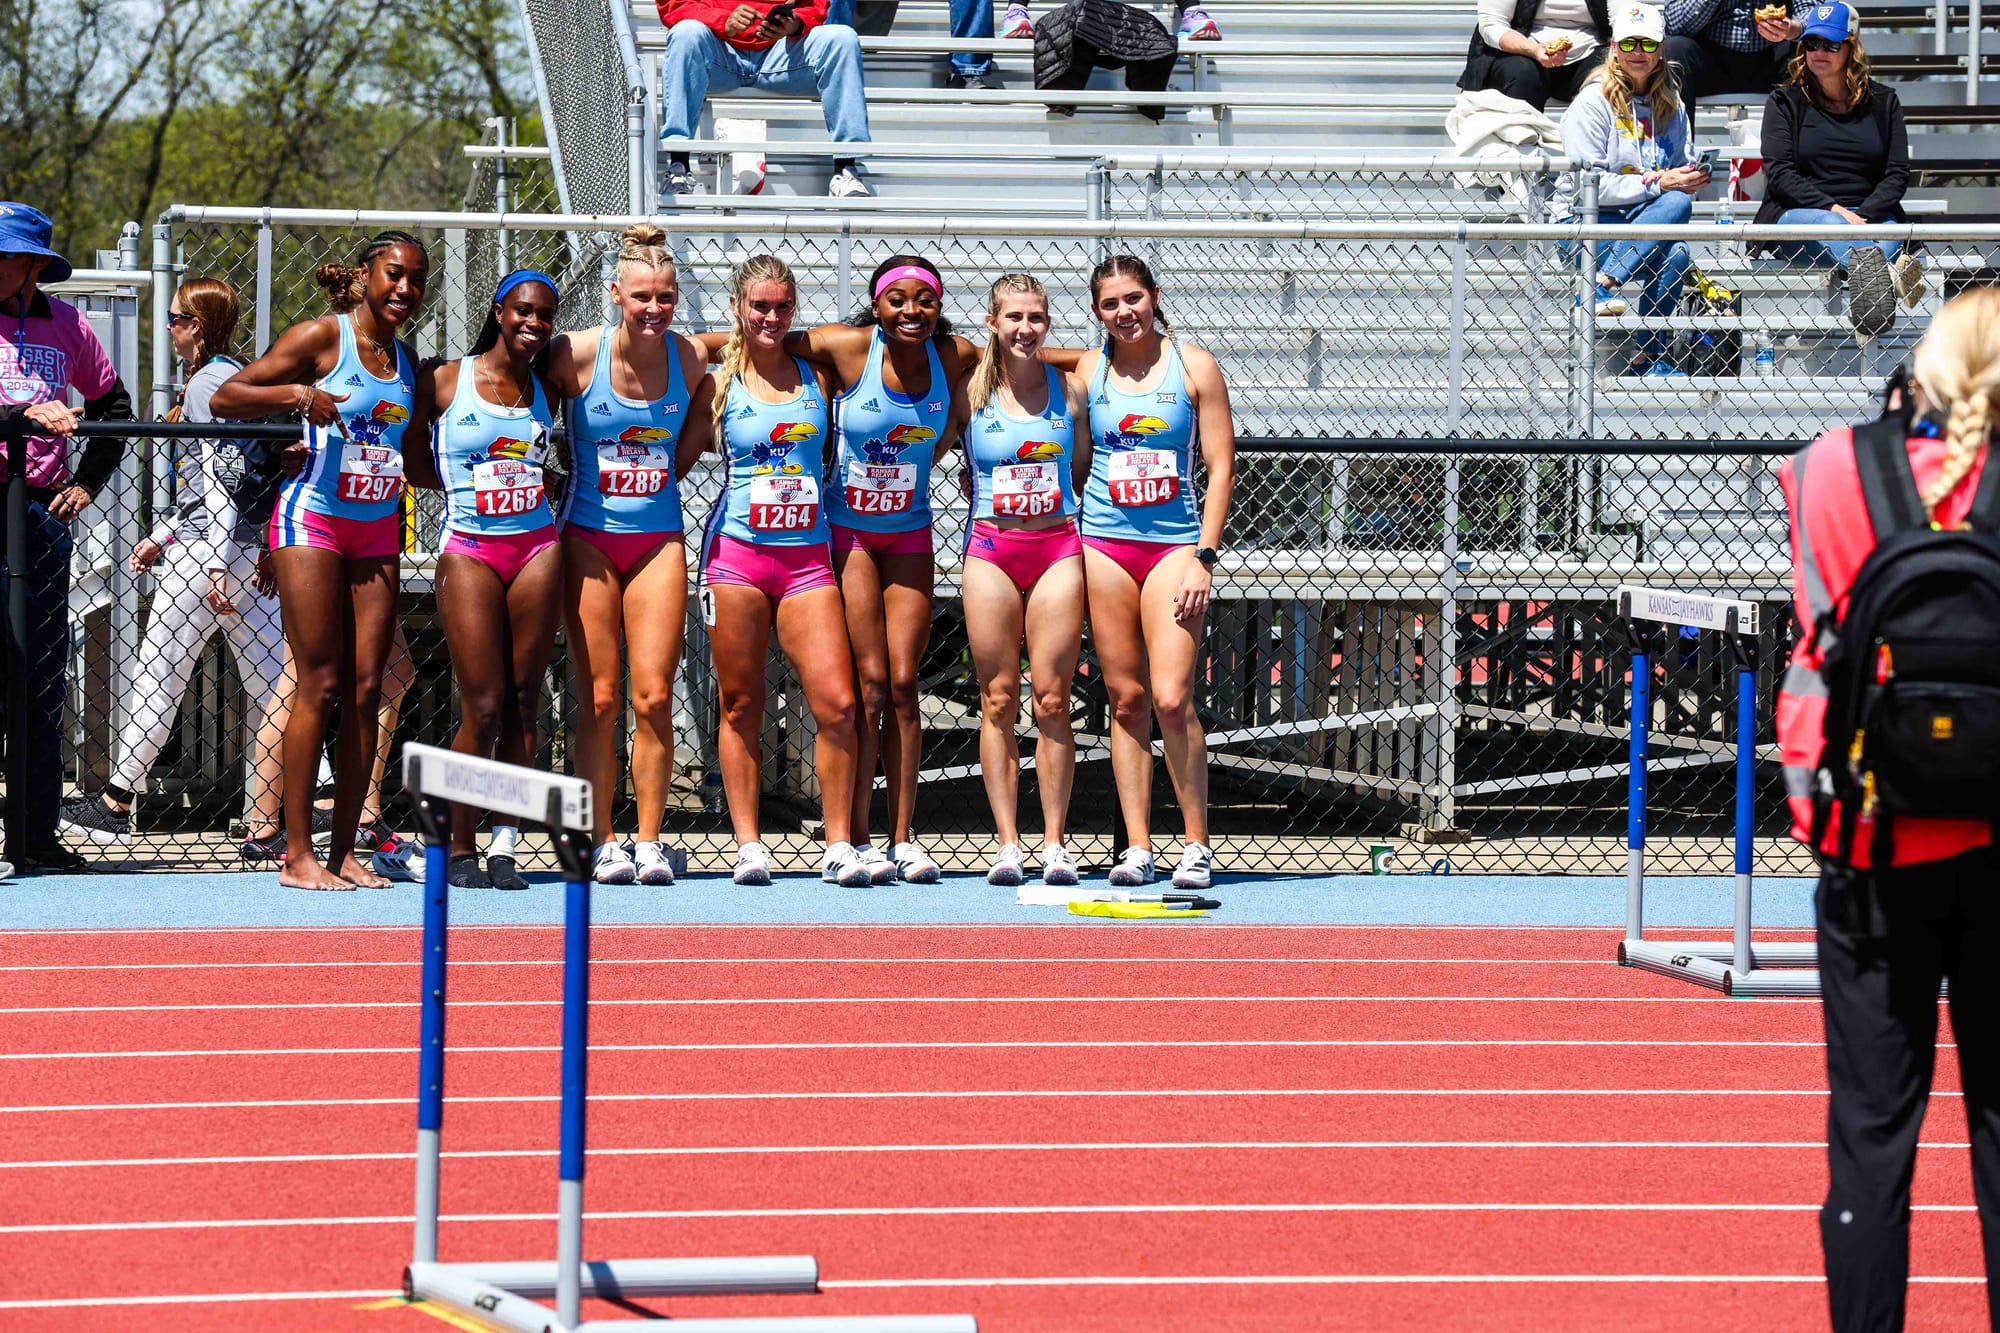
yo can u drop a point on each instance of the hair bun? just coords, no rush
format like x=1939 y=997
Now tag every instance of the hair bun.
x=643 y=235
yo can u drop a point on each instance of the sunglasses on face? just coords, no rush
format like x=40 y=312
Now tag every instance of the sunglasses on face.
x=1645 y=44
x=1821 y=44
x=176 y=318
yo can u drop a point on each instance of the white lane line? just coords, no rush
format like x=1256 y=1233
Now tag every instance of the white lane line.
x=1018 y=1210
x=1356 y=1280
x=931 y=1093
x=823 y=1149
x=959 y=961
x=196 y=1298
x=1138 y=1044
x=909 y=999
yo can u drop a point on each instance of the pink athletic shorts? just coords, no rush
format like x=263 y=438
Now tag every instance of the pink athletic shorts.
x=1135 y=558
x=507 y=553
x=1022 y=555
x=622 y=549
x=776 y=571
x=917 y=541
x=351 y=538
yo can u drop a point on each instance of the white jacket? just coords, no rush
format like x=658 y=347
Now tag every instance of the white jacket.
x=1492 y=124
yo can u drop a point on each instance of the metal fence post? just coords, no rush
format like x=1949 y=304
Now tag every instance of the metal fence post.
x=844 y=269
x=1974 y=26
x=264 y=262
x=1941 y=27
x=1441 y=666
x=17 y=647
x=1586 y=308
x=125 y=490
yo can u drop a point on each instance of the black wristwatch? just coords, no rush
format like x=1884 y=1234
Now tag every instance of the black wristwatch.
x=1208 y=555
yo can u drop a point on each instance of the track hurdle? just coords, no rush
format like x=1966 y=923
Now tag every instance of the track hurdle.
x=1738 y=967
x=503 y=1296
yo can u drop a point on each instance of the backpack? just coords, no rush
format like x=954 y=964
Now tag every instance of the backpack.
x=1912 y=664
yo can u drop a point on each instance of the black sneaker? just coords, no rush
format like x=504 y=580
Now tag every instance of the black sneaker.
x=980 y=82
x=678 y=180
x=52 y=855
x=89 y=817
x=322 y=827
x=501 y=873
x=270 y=848
x=372 y=837
x=464 y=873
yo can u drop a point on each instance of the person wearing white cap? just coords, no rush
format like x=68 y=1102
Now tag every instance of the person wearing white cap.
x=1836 y=151
x=1629 y=124
x=1732 y=46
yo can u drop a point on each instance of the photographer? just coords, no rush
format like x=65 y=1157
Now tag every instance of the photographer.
x=1893 y=679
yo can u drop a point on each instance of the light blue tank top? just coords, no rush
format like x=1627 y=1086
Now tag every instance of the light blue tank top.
x=622 y=451
x=1021 y=465
x=1141 y=484
x=774 y=453
x=881 y=477
x=359 y=475
x=491 y=458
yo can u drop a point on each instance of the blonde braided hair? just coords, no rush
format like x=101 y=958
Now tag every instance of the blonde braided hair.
x=1958 y=368
x=644 y=245
x=757 y=268
x=986 y=375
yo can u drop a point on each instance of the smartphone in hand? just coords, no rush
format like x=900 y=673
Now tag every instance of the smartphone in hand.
x=1705 y=163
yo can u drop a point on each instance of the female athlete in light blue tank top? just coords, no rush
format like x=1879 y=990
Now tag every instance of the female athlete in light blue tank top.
x=635 y=399
x=1023 y=573
x=1153 y=402
x=765 y=565
x=900 y=373
x=336 y=538
x=499 y=570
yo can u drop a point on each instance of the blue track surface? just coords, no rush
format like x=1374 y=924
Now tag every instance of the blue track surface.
x=216 y=900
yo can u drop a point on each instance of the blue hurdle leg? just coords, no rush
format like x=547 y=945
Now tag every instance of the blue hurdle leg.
x=1746 y=791
x=575 y=1056
x=1635 y=802
x=430 y=1037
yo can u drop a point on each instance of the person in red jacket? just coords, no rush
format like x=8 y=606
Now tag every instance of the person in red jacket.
x=1888 y=935
x=786 y=48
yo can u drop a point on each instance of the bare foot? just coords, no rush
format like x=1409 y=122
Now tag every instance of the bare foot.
x=357 y=872
x=305 y=872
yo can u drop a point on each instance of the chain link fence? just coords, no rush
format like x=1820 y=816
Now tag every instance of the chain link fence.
x=1442 y=478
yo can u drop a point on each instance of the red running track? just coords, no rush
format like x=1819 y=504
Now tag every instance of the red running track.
x=1060 y=1129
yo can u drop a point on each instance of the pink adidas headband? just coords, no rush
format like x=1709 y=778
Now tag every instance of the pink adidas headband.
x=894 y=275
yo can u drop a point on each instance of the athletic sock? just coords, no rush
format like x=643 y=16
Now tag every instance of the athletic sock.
x=504 y=838
x=116 y=795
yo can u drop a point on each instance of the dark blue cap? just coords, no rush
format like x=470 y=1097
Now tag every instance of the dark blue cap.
x=26 y=231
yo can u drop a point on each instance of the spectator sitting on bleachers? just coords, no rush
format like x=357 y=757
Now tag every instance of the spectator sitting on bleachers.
x=969 y=18
x=1836 y=150
x=733 y=45
x=1106 y=34
x=1534 y=50
x=1731 y=46
x=1629 y=124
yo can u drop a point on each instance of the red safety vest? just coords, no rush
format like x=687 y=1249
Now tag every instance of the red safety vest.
x=1831 y=536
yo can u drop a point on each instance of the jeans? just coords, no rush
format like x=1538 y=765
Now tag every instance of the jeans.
x=969 y=18
x=47 y=576
x=1707 y=68
x=1524 y=79
x=1879 y=969
x=827 y=60
x=1663 y=264
x=1821 y=252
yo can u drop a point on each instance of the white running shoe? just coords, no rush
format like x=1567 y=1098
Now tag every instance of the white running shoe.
x=654 y=865
x=1058 y=867
x=914 y=864
x=844 y=866
x=1017 y=23
x=1009 y=867
x=1197 y=867
x=881 y=870
x=1134 y=869
x=848 y=184
x=753 y=865
x=614 y=864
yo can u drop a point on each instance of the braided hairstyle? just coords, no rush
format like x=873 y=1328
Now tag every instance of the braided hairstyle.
x=643 y=245
x=986 y=374
x=757 y=268
x=1958 y=368
x=1135 y=268
x=346 y=285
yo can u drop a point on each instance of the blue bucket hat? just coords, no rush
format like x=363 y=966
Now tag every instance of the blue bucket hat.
x=1833 y=22
x=26 y=231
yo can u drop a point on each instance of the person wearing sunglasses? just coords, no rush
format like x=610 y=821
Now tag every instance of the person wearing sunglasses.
x=1629 y=124
x=1836 y=151
x=1731 y=46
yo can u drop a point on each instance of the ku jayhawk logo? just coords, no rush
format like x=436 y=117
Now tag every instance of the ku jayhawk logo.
x=765 y=455
x=1039 y=451
x=1132 y=432
x=889 y=448
x=645 y=435
x=371 y=427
